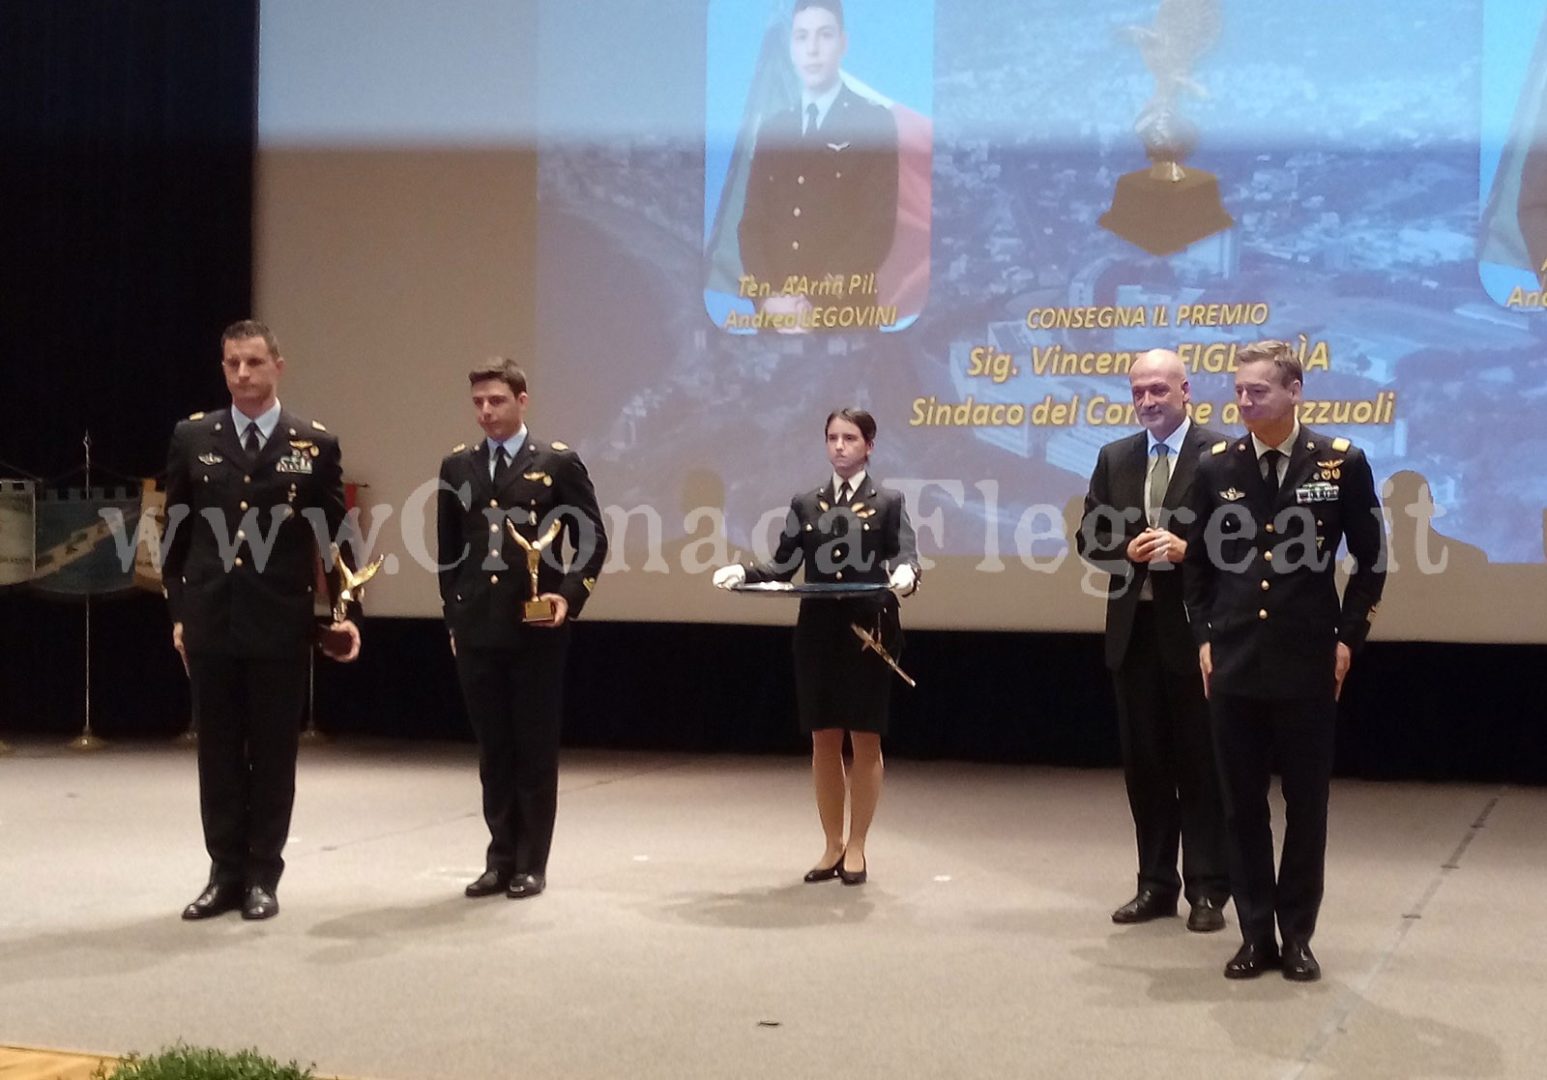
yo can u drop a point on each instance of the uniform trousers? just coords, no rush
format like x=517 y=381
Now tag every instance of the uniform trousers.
x=1250 y=734
x=515 y=703
x=248 y=711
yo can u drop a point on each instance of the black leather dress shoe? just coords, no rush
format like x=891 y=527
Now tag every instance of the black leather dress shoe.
x=1300 y=963
x=259 y=904
x=825 y=873
x=217 y=899
x=489 y=883
x=854 y=877
x=1206 y=916
x=1148 y=905
x=1252 y=959
x=525 y=885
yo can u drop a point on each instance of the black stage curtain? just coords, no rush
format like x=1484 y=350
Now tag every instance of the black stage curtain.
x=1411 y=711
x=127 y=133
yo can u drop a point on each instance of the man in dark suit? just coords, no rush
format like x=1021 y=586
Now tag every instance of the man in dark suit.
x=1274 y=641
x=510 y=661
x=821 y=205
x=254 y=493
x=1168 y=757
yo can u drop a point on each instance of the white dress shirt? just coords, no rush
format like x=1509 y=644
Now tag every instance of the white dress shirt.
x=1284 y=448
x=512 y=447
x=823 y=103
x=266 y=423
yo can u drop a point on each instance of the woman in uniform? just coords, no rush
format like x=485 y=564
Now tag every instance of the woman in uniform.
x=849 y=531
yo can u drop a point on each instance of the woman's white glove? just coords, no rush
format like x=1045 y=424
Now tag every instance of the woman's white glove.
x=903 y=578
x=728 y=577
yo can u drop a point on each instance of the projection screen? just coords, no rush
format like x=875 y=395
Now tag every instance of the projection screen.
x=577 y=185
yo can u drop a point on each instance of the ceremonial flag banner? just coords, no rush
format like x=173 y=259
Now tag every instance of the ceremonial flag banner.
x=18 y=552
x=86 y=543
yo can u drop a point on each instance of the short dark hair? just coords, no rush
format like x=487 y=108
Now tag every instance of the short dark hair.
x=1280 y=354
x=834 y=6
x=858 y=417
x=502 y=368
x=243 y=329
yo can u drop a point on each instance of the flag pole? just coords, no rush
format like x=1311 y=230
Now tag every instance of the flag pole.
x=312 y=735
x=86 y=740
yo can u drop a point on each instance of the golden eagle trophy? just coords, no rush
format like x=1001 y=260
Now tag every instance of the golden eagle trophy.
x=535 y=610
x=1165 y=208
x=352 y=584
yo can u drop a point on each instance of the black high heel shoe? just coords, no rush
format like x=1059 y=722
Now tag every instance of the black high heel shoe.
x=854 y=877
x=825 y=873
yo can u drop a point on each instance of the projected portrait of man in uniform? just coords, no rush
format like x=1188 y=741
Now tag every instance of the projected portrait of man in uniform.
x=827 y=197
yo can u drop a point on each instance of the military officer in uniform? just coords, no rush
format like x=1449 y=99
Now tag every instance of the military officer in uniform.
x=821 y=198
x=849 y=530
x=254 y=494
x=1130 y=531
x=1274 y=641
x=512 y=670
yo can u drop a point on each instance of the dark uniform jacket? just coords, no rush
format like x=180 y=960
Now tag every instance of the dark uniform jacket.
x=1260 y=569
x=483 y=572
x=1114 y=515
x=823 y=204
x=243 y=534
x=855 y=543
x=860 y=542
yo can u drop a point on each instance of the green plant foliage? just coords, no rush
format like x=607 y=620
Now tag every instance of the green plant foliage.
x=200 y=1063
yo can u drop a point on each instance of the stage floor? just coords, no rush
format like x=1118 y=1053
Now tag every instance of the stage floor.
x=677 y=940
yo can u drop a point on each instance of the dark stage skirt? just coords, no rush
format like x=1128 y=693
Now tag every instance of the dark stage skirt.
x=838 y=682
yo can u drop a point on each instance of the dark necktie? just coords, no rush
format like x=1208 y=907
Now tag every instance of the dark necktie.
x=843 y=492
x=250 y=443
x=811 y=121
x=501 y=464
x=1269 y=461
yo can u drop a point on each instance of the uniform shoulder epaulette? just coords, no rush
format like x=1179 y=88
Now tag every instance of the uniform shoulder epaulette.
x=459 y=447
x=1220 y=447
x=1341 y=445
x=559 y=445
x=196 y=416
x=318 y=425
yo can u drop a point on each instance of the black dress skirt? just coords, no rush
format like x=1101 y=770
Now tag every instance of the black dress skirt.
x=838 y=682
